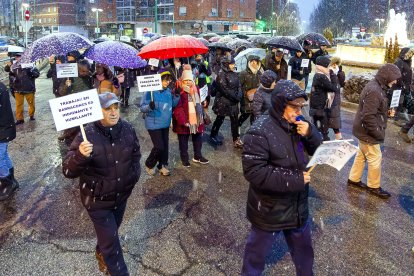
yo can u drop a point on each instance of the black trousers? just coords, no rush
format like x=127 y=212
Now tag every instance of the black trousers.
x=125 y=95
x=234 y=121
x=106 y=223
x=244 y=116
x=159 y=153
x=183 y=146
x=322 y=123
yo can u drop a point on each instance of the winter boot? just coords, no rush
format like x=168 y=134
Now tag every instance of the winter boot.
x=101 y=262
x=11 y=172
x=7 y=187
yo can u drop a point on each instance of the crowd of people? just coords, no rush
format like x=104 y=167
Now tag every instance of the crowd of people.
x=274 y=148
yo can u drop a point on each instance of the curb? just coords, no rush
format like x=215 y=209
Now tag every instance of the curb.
x=349 y=105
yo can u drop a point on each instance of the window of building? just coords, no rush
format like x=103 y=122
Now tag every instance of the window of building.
x=210 y=28
x=213 y=12
x=241 y=14
x=229 y=13
x=226 y=28
x=48 y=9
x=49 y=20
x=109 y=14
x=54 y=19
x=54 y=9
x=182 y=11
x=242 y=1
x=109 y=1
x=40 y=20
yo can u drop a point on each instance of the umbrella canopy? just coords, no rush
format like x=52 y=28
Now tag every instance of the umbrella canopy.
x=220 y=45
x=242 y=36
x=315 y=39
x=207 y=35
x=173 y=47
x=101 y=39
x=115 y=53
x=204 y=41
x=285 y=42
x=12 y=49
x=214 y=39
x=225 y=39
x=55 y=44
x=236 y=43
x=259 y=40
x=241 y=58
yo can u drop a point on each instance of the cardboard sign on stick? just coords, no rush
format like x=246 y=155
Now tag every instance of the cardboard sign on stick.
x=305 y=63
x=149 y=83
x=67 y=70
x=395 y=100
x=76 y=109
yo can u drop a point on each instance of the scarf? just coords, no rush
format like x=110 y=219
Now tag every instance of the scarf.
x=323 y=70
x=254 y=71
x=195 y=110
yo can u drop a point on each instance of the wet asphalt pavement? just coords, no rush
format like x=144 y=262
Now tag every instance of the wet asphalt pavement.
x=193 y=222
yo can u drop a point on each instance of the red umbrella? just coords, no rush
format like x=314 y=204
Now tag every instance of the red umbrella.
x=173 y=47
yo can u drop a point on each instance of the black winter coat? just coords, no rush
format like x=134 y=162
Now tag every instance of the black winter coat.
x=296 y=63
x=24 y=81
x=319 y=53
x=7 y=126
x=229 y=94
x=271 y=64
x=248 y=81
x=371 y=118
x=307 y=55
x=108 y=176
x=262 y=101
x=51 y=73
x=406 y=71
x=321 y=85
x=130 y=76
x=273 y=162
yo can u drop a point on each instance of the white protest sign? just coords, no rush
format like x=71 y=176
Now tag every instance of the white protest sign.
x=395 y=100
x=149 y=83
x=333 y=153
x=289 y=76
x=153 y=62
x=305 y=63
x=76 y=109
x=27 y=65
x=203 y=93
x=67 y=70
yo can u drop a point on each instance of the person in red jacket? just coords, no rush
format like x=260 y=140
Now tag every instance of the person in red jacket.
x=188 y=119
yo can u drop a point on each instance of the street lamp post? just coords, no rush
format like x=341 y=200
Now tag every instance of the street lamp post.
x=379 y=24
x=25 y=6
x=97 y=11
x=271 y=19
x=173 y=30
x=156 y=16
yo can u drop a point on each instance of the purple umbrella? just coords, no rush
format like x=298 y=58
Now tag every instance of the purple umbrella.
x=55 y=44
x=115 y=53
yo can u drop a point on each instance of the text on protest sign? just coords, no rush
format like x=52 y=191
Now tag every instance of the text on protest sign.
x=153 y=62
x=76 y=109
x=149 y=83
x=67 y=70
x=305 y=63
x=333 y=153
x=395 y=100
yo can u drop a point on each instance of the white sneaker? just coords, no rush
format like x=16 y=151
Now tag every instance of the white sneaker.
x=164 y=171
x=150 y=171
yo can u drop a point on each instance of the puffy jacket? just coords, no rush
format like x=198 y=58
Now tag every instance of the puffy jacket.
x=321 y=85
x=107 y=177
x=161 y=116
x=271 y=63
x=273 y=161
x=261 y=101
x=228 y=94
x=248 y=81
x=371 y=118
x=7 y=126
x=24 y=78
x=296 y=63
x=404 y=64
x=180 y=116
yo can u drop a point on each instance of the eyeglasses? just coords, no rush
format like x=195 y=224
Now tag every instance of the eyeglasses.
x=296 y=107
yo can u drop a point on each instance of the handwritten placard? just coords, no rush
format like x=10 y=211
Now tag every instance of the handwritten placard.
x=67 y=70
x=305 y=63
x=395 y=100
x=76 y=109
x=149 y=83
x=154 y=62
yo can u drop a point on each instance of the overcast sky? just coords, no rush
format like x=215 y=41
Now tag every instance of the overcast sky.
x=306 y=7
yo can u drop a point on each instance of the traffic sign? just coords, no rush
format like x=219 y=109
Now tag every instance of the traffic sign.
x=27 y=15
x=145 y=30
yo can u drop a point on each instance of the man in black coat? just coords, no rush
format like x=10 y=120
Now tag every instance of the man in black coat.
x=321 y=52
x=8 y=184
x=108 y=168
x=274 y=163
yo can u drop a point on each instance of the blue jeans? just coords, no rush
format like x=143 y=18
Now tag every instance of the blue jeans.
x=259 y=244
x=5 y=161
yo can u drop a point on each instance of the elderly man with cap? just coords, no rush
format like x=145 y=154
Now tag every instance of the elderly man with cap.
x=24 y=87
x=274 y=162
x=369 y=127
x=249 y=80
x=108 y=167
x=274 y=61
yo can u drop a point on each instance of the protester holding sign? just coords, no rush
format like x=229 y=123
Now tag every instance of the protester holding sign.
x=369 y=127
x=157 y=108
x=51 y=73
x=308 y=55
x=24 y=86
x=297 y=69
x=105 y=80
x=274 y=163
x=188 y=119
x=108 y=168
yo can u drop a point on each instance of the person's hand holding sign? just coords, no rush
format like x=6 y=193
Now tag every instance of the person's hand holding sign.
x=86 y=148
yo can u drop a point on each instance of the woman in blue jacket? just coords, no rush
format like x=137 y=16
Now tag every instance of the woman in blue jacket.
x=157 y=107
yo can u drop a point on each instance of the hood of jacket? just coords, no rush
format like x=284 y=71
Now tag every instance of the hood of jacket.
x=387 y=73
x=284 y=92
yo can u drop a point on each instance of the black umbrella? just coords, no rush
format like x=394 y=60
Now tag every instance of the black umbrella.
x=314 y=39
x=204 y=41
x=219 y=45
x=285 y=42
x=259 y=40
x=236 y=43
x=242 y=36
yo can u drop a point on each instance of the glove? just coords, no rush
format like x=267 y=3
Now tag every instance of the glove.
x=152 y=105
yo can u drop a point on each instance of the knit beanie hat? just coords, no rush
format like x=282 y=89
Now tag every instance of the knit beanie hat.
x=267 y=78
x=323 y=61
